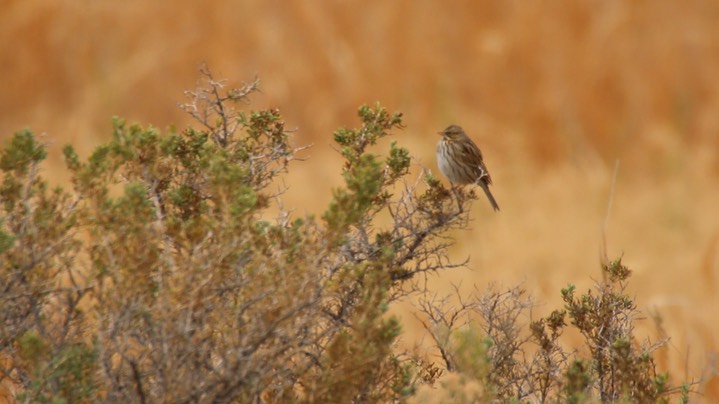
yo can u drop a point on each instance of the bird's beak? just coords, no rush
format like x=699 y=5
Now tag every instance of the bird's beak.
x=440 y=133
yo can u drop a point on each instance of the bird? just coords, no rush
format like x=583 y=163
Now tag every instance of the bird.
x=460 y=160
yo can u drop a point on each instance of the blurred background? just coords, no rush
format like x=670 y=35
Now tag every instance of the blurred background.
x=553 y=92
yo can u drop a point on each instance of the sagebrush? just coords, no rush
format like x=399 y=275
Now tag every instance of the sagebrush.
x=158 y=277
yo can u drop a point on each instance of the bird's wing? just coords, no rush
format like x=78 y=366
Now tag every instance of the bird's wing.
x=472 y=152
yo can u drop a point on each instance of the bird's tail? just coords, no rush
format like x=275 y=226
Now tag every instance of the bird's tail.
x=485 y=188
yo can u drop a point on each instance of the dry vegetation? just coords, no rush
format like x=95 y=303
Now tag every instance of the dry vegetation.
x=156 y=279
x=553 y=93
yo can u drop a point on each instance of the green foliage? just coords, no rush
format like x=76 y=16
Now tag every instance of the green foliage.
x=471 y=354
x=22 y=154
x=63 y=376
x=578 y=379
x=6 y=240
x=39 y=285
x=363 y=173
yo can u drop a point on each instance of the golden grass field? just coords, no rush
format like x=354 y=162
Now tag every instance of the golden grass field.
x=553 y=92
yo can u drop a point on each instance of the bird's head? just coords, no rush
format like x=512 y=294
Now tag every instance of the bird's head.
x=453 y=132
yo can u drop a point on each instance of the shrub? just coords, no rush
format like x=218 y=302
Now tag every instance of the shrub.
x=160 y=273
x=513 y=364
x=159 y=278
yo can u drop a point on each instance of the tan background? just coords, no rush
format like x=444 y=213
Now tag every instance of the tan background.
x=553 y=92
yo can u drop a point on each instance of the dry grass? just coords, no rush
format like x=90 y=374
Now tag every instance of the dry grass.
x=553 y=93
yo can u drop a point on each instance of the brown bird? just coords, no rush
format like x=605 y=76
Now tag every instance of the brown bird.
x=460 y=160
